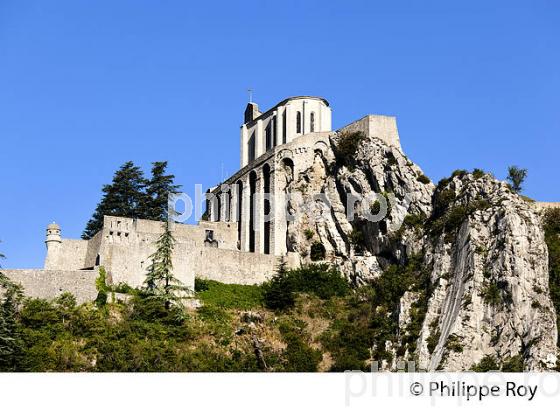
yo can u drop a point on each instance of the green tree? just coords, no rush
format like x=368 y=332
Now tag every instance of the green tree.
x=516 y=177
x=125 y=196
x=11 y=345
x=160 y=282
x=157 y=191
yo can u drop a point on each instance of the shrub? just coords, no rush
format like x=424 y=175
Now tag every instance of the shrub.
x=460 y=173
x=317 y=252
x=320 y=280
x=415 y=220
x=102 y=287
x=423 y=179
x=433 y=340
x=513 y=365
x=478 y=173
x=309 y=233
x=347 y=147
x=487 y=364
x=454 y=344
x=491 y=294
x=298 y=355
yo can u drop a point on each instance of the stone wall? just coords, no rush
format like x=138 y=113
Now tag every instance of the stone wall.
x=377 y=126
x=229 y=266
x=49 y=284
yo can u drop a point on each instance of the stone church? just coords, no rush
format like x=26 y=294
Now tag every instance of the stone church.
x=243 y=237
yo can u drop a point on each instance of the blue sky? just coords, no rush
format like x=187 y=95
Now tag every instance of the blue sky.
x=86 y=86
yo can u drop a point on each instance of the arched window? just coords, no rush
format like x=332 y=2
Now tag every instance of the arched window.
x=298 y=122
x=312 y=122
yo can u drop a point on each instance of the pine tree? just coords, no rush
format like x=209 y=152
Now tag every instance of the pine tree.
x=11 y=346
x=125 y=197
x=516 y=177
x=160 y=281
x=157 y=191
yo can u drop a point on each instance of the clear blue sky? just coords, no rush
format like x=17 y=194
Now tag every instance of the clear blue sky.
x=86 y=86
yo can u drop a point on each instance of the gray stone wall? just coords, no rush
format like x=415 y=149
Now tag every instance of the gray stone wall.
x=49 y=284
x=229 y=266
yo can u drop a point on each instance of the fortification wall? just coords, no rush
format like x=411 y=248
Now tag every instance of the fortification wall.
x=69 y=254
x=542 y=206
x=93 y=250
x=125 y=247
x=229 y=266
x=49 y=284
x=378 y=126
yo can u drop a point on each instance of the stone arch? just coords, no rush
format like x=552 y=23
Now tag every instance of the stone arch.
x=266 y=208
x=252 y=222
x=239 y=212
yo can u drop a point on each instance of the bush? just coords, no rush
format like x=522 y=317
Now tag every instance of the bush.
x=298 y=355
x=491 y=294
x=320 y=280
x=487 y=364
x=317 y=252
x=552 y=238
x=309 y=233
x=423 y=179
x=514 y=365
x=478 y=173
x=347 y=147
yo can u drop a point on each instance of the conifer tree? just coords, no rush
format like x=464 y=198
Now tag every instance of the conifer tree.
x=157 y=191
x=11 y=346
x=125 y=197
x=516 y=177
x=160 y=281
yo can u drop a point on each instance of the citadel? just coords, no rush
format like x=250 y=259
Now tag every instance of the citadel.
x=235 y=244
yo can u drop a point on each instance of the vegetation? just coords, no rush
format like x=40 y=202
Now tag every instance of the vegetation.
x=478 y=173
x=320 y=280
x=317 y=252
x=160 y=282
x=217 y=294
x=131 y=195
x=347 y=148
x=516 y=177
x=487 y=364
x=423 y=179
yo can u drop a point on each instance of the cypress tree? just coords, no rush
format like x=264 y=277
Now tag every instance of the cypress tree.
x=160 y=282
x=125 y=197
x=157 y=191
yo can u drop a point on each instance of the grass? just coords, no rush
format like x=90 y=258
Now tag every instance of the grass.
x=224 y=295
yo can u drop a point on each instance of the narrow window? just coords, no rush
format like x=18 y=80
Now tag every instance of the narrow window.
x=284 y=128
x=274 y=131
x=268 y=135
x=298 y=122
x=312 y=125
x=252 y=147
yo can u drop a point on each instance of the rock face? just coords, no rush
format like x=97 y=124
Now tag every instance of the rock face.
x=490 y=274
x=482 y=247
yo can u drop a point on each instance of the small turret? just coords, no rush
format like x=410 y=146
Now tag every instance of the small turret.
x=53 y=234
x=53 y=242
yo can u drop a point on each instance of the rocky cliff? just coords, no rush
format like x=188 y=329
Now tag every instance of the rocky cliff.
x=481 y=268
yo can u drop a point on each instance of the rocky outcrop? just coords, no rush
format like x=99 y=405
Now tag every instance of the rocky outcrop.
x=481 y=245
x=489 y=267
